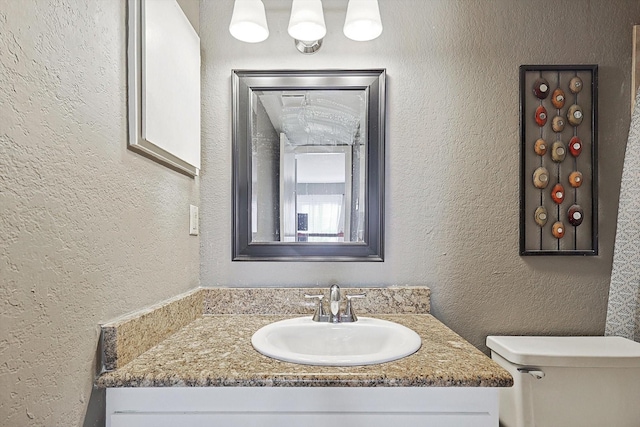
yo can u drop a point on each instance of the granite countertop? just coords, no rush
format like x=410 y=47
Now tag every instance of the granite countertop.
x=215 y=350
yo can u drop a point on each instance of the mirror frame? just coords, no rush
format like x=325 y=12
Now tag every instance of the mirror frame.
x=373 y=83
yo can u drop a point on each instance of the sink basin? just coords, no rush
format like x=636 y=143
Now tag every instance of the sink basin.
x=366 y=342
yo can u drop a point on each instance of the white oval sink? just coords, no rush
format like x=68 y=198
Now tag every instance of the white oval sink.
x=365 y=342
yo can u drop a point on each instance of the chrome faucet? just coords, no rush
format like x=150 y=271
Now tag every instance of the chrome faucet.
x=334 y=303
x=334 y=315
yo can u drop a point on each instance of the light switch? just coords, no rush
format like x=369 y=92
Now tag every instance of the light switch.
x=193 y=220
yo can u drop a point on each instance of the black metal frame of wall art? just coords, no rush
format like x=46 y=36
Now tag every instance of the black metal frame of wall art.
x=558 y=160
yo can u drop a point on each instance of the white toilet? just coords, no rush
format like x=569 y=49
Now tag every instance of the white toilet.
x=569 y=381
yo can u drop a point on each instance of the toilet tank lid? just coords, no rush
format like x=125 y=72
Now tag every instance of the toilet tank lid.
x=594 y=352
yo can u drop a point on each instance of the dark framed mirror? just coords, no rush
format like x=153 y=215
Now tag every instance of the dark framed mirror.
x=308 y=165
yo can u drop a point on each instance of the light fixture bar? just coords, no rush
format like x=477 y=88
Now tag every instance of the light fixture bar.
x=308 y=46
x=306 y=23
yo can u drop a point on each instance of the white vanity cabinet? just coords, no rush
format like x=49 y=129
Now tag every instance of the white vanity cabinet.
x=208 y=373
x=302 y=406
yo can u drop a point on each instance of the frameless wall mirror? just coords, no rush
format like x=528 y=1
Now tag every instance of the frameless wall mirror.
x=308 y=165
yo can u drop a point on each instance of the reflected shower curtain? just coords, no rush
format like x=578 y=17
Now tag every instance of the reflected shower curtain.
x=623 y=312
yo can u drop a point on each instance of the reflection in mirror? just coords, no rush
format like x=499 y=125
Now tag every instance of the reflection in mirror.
x=311 y=141
x=308 y=165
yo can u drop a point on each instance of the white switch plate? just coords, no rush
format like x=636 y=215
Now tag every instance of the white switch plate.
x=193 y=220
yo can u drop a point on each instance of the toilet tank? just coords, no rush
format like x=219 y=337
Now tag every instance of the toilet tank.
x=569 y=381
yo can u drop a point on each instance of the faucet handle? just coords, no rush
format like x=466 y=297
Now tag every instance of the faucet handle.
x=319 y=313
x=350 y=315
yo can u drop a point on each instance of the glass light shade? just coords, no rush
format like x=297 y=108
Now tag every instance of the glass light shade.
x=307 y=20
x=363 y=21
x=249 y=21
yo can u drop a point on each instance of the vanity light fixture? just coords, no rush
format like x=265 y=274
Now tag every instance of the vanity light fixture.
x=363 y=21
x=306 y=23
x=249 y=21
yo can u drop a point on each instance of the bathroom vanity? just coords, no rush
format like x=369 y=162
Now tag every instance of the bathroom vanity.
x=206 y=372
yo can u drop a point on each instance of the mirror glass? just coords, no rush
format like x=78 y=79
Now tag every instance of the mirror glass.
x=308 y=165
x=311 y=141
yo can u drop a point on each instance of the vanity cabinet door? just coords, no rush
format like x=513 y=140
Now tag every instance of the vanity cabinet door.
x=298 y=419
x=306 y=406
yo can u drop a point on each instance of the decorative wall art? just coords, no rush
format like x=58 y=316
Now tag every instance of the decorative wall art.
x=163 y=85
x=558 y=154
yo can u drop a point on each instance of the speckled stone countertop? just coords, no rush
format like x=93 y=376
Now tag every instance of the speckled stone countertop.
x=215 y=351
x=127 y=337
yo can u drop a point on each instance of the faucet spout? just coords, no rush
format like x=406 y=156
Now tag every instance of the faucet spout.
x=334 y=315
x=334 y=303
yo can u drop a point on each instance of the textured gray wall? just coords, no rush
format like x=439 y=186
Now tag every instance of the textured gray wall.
x=452 y=153
x=88 y=229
